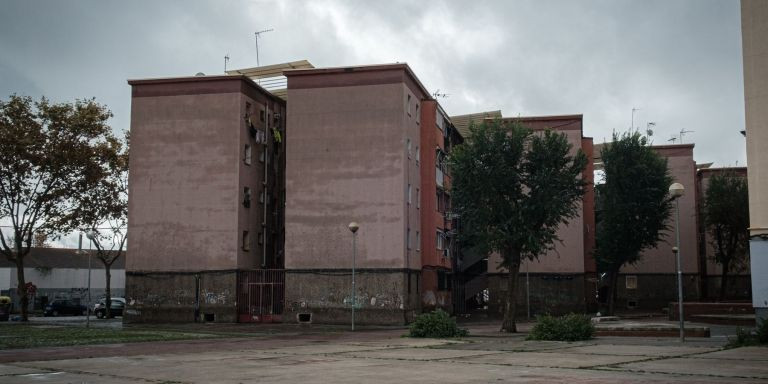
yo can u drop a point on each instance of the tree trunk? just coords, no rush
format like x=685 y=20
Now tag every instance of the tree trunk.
x=724 y=280
x=510 y=305
x=108 y=292
x=21 y=288
x=613 y=277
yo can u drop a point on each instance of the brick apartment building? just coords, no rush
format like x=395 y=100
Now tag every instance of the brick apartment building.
x=367 y=144
x=205 y=209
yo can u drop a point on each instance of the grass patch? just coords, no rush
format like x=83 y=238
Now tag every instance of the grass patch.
x=32 y=336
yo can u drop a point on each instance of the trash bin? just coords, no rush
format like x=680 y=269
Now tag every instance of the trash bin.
x=5 y=308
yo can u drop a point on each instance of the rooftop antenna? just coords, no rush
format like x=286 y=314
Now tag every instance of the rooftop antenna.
x=673 y=139
x=438 y=94
x=258 y=34
x=632 y=127
x=682 y=133
x=226 y=60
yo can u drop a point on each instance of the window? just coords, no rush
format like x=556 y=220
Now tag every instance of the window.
x=417 y=113
x=442 y=281
x=261 y=115
x=408 y=238
x=247 y=154
x=261 y=157
x=440 y=240
x=418 y=154
x=408 y=106
x=631 y=281
x=418 y=241
x=408 y=147
x=247 y=197
x=418 y=198
x=246 y=241
x=409 y=194
x=261 y=238
x=261 y=197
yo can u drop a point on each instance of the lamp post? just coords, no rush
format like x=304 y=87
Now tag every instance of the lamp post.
x=676 y=190
x=353 y=227
x=91 y=237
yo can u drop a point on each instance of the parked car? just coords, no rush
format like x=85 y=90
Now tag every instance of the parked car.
x=116 y=309
x=64 y=307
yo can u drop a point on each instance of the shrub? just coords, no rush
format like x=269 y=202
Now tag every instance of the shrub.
x=745 y=338
x=762 y=332
x=436 y=324
x=570 y=327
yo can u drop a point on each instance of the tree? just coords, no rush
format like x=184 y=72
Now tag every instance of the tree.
x=513 y=189
x=633 y=203
x=51 y=154
x=108 y=206
x=726 y=216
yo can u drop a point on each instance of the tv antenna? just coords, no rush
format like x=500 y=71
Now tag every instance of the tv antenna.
x=673 y=139
x=438 y=94
x=682 y=133
x=258 y=34
x=226 y=60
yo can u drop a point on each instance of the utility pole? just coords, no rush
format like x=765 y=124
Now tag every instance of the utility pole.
x=258 y=34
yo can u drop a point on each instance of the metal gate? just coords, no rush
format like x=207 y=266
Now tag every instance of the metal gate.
x=260 y=295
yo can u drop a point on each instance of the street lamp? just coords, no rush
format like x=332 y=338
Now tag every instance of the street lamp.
x=353 y=227
x=676 y=190
x=91 y=235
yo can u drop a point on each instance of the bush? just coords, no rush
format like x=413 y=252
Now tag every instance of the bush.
x=570 y=327
x=436 y=324
x=745 y=338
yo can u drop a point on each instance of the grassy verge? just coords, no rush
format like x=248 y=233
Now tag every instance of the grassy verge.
x=31 y=336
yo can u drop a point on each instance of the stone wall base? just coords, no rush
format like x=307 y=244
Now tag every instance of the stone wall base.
x=383 y=296
x=172 y=297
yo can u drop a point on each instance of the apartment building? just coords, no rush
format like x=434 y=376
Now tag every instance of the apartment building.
x=206 y=197
x=368 y=145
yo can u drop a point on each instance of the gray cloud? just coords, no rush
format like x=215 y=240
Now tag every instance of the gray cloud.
x=679 y=62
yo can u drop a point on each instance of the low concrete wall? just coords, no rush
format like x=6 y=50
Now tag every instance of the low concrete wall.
x=692 y=309
x=168 y=297
x=382 y=296
x=654 y=291
x=554 y=294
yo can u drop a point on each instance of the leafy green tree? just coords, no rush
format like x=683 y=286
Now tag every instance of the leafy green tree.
x=51 y=155
x=726 y=215
x=633 y=203
x=106 y=220
x=513 y=189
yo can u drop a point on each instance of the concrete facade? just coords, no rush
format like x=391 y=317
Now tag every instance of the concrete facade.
x=754 y=35
x=205 y=194
x=59 y=273
x=354 y=155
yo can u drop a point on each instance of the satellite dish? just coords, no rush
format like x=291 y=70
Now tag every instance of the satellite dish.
x=199 y=74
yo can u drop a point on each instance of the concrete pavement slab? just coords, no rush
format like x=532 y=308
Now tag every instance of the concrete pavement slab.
x=729 y=368
x=549 y=359
x=638 y=350
x=744 y=353
x=416 y=354
x=69 y=378
x=6 y=369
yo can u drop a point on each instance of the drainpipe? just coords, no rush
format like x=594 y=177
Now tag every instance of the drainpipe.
x=264 y=193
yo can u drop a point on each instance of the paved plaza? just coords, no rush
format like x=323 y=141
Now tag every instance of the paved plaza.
x=305 y=355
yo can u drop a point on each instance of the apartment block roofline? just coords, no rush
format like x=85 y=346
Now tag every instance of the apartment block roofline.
x=361 y=68
x=203 y=79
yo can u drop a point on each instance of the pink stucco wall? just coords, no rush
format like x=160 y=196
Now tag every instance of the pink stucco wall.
x=183 y=183
x=346 y=161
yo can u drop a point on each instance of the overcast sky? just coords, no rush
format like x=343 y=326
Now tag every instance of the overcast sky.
x=678 y=62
